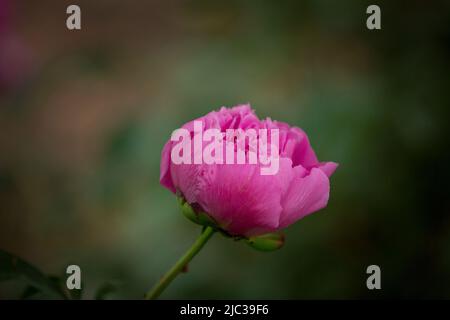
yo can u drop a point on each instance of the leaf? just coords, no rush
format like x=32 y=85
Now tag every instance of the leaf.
x=13 y=267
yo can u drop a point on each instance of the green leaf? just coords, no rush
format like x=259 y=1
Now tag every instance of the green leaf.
x=266 y=242
x=13 y=267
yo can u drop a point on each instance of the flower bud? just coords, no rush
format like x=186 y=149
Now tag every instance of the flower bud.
x=267 y=242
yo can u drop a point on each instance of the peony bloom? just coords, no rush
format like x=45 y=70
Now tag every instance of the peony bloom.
x=240 y=200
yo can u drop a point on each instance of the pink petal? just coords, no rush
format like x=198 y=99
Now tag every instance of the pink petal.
x=303 y=154
x=165 y=177
x=305 y=195
x=243 y=201
x=328 y=167
x=187 y=179
x=294 y=144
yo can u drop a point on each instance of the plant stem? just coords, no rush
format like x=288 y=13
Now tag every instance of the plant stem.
x=180 y=264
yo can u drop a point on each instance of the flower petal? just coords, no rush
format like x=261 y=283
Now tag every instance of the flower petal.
x=305 y=195
x=243 y=201
x=165 y=177
x=328 y=167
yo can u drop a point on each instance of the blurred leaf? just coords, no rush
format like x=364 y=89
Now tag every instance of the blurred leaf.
x=76 y=294
x=29 y=292
x=13 y=267
x=60 y=282
x=104 y=290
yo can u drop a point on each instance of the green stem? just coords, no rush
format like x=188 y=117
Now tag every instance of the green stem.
x=180 y=264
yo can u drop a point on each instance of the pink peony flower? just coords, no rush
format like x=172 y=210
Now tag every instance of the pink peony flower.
x=237 y=197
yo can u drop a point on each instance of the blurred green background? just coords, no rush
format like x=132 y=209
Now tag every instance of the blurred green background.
x=84 y=115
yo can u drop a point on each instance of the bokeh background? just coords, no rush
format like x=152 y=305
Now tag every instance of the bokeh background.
x=84 y=115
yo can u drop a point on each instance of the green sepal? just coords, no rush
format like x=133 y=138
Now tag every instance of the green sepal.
x=200 y=217
x=266 y=242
